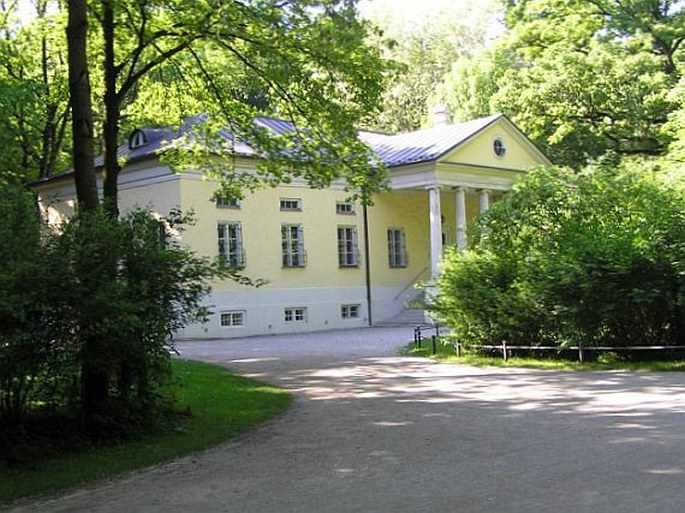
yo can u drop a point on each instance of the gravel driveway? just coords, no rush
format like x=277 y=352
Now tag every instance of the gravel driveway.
x=374 y=432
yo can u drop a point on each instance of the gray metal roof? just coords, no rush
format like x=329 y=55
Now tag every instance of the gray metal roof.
x=423 y=145
x=393 y=150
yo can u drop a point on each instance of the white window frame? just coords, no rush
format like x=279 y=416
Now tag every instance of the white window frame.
x=292 y=246
x=235 y=318
x=230 y=239
x=227 y=203
x=345 y=208
x=348 y=251
x=295 y=314
x=350 y=311
x=397 y=248
x=290 y=204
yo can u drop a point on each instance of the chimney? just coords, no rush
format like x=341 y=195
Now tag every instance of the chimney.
x=441 y=115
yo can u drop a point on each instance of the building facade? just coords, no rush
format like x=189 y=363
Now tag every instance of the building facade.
x=327 y=262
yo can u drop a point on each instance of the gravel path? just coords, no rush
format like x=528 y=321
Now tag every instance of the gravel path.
x=374 y=432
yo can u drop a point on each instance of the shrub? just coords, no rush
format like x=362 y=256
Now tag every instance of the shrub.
x=594 y=258
x=87 y=316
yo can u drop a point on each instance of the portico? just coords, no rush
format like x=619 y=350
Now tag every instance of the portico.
x=463 y=169
x=439 y=237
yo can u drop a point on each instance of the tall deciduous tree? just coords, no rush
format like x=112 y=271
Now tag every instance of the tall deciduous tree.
x=584 y=77
x=82 y=114
x=424 y=48
x=33 y=92
x=307 y=59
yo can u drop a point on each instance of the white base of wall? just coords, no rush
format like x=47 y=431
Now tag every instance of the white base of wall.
x=263 y=310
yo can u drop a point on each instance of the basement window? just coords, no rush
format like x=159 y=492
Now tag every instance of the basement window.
x=295 y=314
x=349 y=311
x=235 y=318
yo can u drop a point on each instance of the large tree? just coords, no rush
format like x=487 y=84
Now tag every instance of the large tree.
x=33 y=92
x=155 y=62
x=306 y=59
x=81 y=110
x=423 y=49
x=582 y=77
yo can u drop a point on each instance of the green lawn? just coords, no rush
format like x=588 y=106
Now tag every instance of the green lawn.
x=222 y=406
x=445 y=352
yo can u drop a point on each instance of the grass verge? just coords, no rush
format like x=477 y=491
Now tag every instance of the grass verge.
x=445 y=352
x=222 y=405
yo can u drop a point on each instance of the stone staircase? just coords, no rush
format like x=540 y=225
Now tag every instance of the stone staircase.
x=407 y=317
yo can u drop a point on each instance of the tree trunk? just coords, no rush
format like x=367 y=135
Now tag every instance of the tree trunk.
x=111 y=124
x=94 y=380
x=82 y=117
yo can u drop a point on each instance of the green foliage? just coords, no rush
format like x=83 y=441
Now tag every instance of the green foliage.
x=605 y=361
x=305 y=61
x=471 y=84
x=22 y=309
x=423 y=50
x=129 y=291
x=87 y=317
x=580 y=78
x=579 y=105
x=675 y=131
x=594 y=258
x=33 y=94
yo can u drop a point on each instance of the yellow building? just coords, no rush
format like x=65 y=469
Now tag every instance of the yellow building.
x=328 y=263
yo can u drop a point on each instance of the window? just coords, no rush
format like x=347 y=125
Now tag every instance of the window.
x=293 y=245
x=233 y=318
x=397 y=248
x=345 y=208
x=349 y=311
x=137 y=140
x=295 y=314
x=227 y=203
x=348 y=256
x=291 y=204
x=231 y=251
x=498 y=147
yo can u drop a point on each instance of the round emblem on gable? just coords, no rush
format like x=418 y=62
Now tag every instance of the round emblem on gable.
x=498 y=147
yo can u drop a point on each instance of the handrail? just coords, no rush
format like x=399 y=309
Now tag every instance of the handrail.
x=412 y=282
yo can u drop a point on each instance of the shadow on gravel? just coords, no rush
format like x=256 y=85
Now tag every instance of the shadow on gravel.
x=505 y=412
x=390 y=433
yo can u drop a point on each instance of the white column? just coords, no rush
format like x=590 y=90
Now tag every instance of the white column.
x=460 y=202
x=435 y=230
x=484 y=200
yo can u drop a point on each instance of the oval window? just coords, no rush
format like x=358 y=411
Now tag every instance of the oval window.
x=498 y=147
